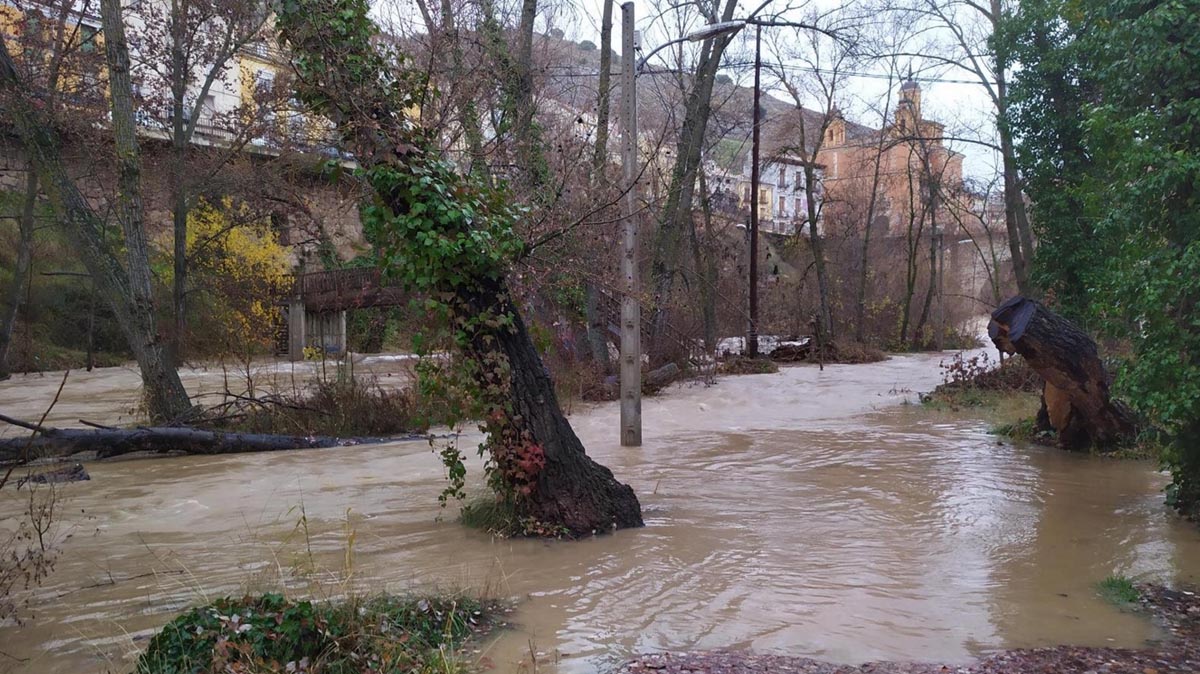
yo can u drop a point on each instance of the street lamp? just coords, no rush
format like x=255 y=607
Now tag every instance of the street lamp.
x=709 y=32
x=729 y=28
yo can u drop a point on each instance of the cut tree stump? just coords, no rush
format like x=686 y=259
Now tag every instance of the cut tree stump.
x=1075 y=399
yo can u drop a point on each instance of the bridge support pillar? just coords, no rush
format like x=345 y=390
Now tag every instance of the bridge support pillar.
x=296 y=330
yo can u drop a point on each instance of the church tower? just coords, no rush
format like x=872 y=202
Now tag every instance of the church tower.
x=908 y=111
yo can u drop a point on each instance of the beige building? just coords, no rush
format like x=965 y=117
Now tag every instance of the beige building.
x=918 y=174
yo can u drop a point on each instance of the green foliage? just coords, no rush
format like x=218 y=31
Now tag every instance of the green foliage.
x=60 y=307
x=271 y=633
x=448 y=237
x=1118 y=590
x=1107 y=111
x=375 y=329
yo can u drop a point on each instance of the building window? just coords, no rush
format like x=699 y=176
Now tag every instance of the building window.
x=264 y=81
x=782 y=206
x=87 y=38
x=208 y=109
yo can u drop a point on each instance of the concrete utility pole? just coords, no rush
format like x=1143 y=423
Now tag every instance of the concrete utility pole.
x=752 y=333
x=631 y=313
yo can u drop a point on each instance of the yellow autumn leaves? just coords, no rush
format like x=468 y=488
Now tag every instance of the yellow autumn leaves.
x=238 y=270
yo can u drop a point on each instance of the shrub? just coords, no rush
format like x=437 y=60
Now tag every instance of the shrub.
x=747 y=365
x=344 y=408
x=980 y=374
x=271 y=633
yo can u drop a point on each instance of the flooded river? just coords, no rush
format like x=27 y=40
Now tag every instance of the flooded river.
x=807 y=512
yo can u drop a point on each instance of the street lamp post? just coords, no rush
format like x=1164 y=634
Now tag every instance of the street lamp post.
x=726 y=28
x=707 y=33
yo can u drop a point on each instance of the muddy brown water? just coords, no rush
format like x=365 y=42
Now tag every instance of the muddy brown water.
x=807 y=512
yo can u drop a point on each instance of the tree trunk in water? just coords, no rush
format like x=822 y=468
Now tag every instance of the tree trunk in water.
x=933 y=274
x=179 y=213
x=16 y=288
x=705 y=263
x=166 y=398
x=860 y=312
x=572 y=490
x=860 y=308
x=1014 y=214
x=1016 y=219
x=910 y=279
x=110 y=442
x=1076 y=394
x=179 y=201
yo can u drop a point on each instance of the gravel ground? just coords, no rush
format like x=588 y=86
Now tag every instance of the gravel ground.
x=1177 y=610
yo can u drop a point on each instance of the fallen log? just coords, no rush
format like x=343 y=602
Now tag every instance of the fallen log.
x=792 y=349
x=109 y=442
x=652 y=382
x=1075 y=398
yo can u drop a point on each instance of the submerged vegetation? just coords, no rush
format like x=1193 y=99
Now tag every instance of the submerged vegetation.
x=746 y=365
x=274 y=634
x=1118 y=589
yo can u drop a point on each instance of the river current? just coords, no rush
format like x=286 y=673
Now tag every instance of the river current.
x=810 y=512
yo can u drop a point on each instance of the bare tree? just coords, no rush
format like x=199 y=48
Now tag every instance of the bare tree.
x=185 y=50
x=597 y=326
x=43 y=56
x=875 y=160
x=961 y=40
x=823 y=60
x=126 y=288
x=676 y=215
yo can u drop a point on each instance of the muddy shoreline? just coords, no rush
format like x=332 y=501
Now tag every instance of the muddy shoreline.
x=1177 y=611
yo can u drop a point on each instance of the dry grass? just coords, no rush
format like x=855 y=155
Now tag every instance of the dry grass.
x=747 y=365
x=351 y=408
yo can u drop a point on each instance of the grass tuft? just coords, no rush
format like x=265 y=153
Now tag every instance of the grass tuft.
x=1023 y=430
x=490 y=514
x=497 y=517
x=1118 y=590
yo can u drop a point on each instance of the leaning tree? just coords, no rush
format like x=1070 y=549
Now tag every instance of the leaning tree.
x=451 y=237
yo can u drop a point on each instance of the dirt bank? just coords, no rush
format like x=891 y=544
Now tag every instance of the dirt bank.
x=1178 y=611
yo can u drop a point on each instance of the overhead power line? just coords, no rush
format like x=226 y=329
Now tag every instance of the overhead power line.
x=799 y=69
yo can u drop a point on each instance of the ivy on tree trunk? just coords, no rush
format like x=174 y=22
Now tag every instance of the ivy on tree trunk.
x=451 y=237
